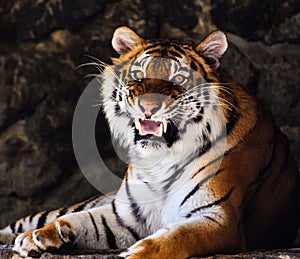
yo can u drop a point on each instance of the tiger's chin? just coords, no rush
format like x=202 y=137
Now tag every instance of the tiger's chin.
x=149 y=144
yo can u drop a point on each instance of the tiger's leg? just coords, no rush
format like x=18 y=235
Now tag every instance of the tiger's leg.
x=9 y=233
x=98 y=228
x=197 y=236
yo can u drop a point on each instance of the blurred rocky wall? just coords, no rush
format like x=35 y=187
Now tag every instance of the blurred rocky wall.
x=42 y=42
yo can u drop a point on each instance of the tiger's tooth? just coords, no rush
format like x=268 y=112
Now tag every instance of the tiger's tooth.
x=137 y=124
x=160 y=131
x=165 y=124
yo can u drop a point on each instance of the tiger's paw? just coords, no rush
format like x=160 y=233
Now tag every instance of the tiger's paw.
x=159 y=245
x=51 y=238
x=146 y=248
x=25 y=245
x=154 y=248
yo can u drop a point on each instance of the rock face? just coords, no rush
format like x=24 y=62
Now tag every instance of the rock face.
x=42 y=43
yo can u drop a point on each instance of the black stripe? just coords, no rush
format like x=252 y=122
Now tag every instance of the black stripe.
x=199 y=116
x=79 y=208
x=120 y=96
x=120 y=221
x=117 y=108
x=82 y=205
x=196 y=188
x=152 y=46
x=212 y=219
x=20 y=228
x=252 y=191
x=232 y=121
x=202 y=68
x=208 y=127
x=179 y=49
x=217 y=202
x=122 y=78
x=265 y=169
x=206 y=145
x=94 y=225
x=114 y=94
x=62 y=211
x=210 y=163
x=178 y=170
x=31 y=218
x=261 y=173
x=13 y=227
x=194 y=66
x=110 y=237
x=153 y=51
x=42 y=219
x=133 y=204
x=174 y=53
x=234 y=115
x=172 y=178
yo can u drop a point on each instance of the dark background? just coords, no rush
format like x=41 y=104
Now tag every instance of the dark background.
x=43 y=41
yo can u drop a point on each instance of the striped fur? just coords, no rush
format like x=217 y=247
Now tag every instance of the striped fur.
x=209 y=172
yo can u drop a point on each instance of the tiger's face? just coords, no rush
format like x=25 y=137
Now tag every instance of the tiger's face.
x=163 y=96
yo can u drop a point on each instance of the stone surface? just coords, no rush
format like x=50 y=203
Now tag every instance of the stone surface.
x=269 y=21
x=42 y=43
x=7 y=253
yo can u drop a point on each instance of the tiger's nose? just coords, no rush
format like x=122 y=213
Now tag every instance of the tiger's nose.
x=148 y=107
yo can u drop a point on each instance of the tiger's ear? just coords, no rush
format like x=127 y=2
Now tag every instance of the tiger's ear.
x=213 y=47
x=125 y=39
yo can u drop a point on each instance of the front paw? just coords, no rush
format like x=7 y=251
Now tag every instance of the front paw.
x=146 y=248
x=53 y=237
x=25 y=245
x=137 y=250
x=160 y=245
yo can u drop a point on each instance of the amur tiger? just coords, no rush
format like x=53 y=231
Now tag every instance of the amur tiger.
x=209 y=172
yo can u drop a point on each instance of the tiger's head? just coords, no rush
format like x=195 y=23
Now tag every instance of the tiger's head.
x=164 y=96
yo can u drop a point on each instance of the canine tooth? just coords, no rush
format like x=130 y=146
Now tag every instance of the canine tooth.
x=160 y=131
x=137 y=124
x=165 y=124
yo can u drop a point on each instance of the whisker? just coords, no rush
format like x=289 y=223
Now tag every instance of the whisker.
x=96 y=105
x=97 y=60
x=101 y=66
x=91 y=75
x=186 y=95
x=207 y=86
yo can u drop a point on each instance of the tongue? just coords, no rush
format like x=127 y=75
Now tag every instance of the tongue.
x=150 y=127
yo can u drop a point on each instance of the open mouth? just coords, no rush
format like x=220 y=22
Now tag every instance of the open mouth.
x=151 y=127
x=156 y=131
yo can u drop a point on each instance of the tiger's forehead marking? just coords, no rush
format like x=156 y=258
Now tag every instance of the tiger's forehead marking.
x=177 y=44
x=160 y=67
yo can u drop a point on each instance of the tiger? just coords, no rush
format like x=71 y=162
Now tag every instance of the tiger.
x=209 y=171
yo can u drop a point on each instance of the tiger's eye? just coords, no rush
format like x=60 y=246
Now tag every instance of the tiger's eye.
x=179 y=79
x=138 y=75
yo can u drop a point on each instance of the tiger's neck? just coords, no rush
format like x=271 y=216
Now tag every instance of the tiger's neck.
x=161 y=173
